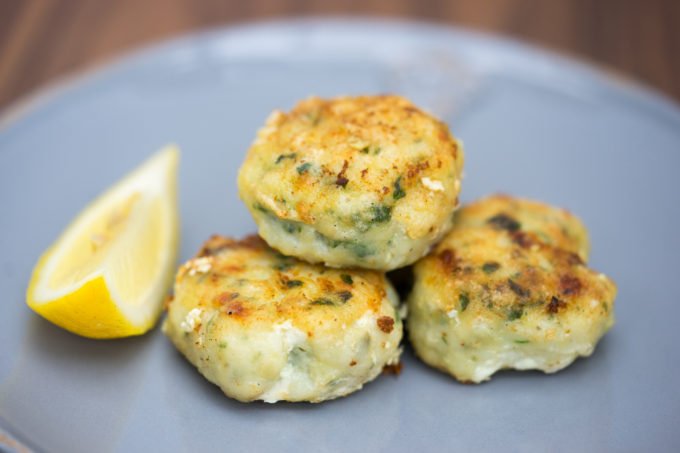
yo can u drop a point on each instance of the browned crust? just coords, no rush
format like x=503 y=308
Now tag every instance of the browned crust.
x=394 y=369
x=386 y=324
x=218 y=243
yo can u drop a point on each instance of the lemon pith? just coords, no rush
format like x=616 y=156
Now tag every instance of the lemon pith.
x=107 y=274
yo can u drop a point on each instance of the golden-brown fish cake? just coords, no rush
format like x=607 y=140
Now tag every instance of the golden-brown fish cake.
x=494 y=295
x=263 y=326
x=369 y=181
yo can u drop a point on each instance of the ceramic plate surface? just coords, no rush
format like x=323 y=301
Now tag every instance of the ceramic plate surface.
x=533 y=124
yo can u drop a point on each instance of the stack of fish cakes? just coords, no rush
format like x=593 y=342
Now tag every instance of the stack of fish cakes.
x=343 y=190
x=360 y=184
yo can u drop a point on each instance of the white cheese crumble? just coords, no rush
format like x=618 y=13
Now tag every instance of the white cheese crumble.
x=200 y=265
x=366 y=321
x=432 y=184
x=191 y=320
x=291 y=335
x=290 y=376
x=453 y=314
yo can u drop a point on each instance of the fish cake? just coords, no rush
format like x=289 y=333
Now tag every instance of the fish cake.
x=369 y=181
x=507 y=288
x=267 y=327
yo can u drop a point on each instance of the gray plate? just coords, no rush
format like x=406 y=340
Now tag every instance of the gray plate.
x=533 y=124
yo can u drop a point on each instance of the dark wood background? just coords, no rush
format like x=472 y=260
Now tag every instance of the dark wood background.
x=44 y=39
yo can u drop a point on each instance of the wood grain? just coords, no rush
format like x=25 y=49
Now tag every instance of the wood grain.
x=44 y=39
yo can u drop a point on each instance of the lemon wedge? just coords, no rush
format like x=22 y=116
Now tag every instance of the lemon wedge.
x=107 y=274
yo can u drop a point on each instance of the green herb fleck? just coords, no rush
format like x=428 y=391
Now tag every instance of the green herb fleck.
x=222 y=344
x=360 y=249
x=259 y=207
x=518 y=289
x=283 y=265
x=375 y=150
x=345 y=296
x=322 y=301
x=464 y=301
x=521 y=341
x=490 y=267
x=289 y=227
x=504 y=222
x=515 y=313
x=285 y=156
x=366 y=219
x=398 y=190
x=303 y=168
x=347 y=279
x=332 y=243
x=294 y=283
x=381 y=213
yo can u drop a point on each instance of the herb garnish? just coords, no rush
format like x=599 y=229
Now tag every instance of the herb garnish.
x=342 y=298
x=294 y=283
x=375 y=150
x=517 y=289
x=490 y=267
x=322 y=301
x=347 y=279
x=464 y=301
x=359 y=249
x=381 y=213
x=398 y=190
x=303 y=168
x=515 y=313
x=285 y=156
x=283 y=265
x=345 y=296
x=504 y=222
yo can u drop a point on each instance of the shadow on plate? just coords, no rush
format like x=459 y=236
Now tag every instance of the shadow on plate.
x=46 y=341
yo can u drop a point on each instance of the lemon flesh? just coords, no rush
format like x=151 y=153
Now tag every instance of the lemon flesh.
x=107 y=274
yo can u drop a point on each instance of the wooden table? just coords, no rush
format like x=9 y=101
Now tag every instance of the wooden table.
x=41 y=40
